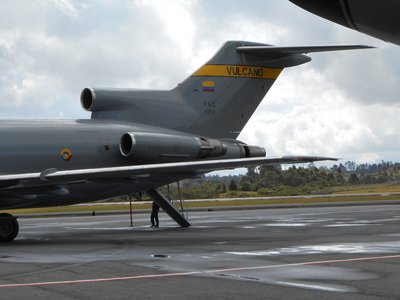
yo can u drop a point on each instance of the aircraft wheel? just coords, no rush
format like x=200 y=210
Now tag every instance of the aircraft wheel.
x=8 y=227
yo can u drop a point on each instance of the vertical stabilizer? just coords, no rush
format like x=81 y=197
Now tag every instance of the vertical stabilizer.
x=226 y=91
x=216 y=101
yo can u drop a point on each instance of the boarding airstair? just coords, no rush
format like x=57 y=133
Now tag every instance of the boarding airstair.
x=177 y=209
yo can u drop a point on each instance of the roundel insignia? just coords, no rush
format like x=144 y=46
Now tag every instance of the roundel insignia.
x=66 y=154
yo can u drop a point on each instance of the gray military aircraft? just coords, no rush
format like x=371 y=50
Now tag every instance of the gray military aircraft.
x=378 y=18
x=138 y=140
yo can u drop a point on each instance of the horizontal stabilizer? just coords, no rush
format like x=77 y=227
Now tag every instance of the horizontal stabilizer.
x=274 y=50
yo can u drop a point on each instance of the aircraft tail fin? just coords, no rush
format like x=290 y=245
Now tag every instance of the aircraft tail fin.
x=216 y=101
x=226 y=91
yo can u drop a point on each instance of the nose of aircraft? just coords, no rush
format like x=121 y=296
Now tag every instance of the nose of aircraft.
x=328 y=9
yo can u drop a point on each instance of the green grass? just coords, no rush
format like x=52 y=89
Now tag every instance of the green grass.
x=372 y=188
x=209 y=204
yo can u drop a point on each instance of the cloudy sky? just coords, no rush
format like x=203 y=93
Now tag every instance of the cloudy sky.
x=340 y=104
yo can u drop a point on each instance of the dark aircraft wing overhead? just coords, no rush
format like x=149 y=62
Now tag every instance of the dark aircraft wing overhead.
x=377 y=18
x=194 y=167
x=271 y=50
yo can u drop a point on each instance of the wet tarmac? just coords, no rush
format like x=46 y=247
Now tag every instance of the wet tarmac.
x=297 y=253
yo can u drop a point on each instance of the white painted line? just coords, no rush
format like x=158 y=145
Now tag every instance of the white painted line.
x=150 y=276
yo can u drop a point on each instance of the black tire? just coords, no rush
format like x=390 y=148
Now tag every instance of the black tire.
x=9 y=228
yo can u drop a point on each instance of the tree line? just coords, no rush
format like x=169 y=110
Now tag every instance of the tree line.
x=277 y=181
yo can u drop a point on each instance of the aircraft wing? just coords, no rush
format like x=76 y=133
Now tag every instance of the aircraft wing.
x=53 y=176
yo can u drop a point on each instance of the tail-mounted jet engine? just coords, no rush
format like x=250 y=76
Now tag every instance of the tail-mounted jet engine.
x=168 y=147
x=160 y=147
x=151 y=147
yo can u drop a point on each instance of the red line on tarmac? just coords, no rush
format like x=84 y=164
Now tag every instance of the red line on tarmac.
x=81 y=281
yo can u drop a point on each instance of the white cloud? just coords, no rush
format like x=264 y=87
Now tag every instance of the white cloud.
x=70 y=7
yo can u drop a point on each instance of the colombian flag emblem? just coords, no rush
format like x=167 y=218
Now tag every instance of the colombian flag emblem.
x=208 y=86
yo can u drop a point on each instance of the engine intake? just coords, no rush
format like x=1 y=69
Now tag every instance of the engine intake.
x=87 y=97
x=105 y=99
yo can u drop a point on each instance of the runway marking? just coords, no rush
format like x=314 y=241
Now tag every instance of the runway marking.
x=81 y=281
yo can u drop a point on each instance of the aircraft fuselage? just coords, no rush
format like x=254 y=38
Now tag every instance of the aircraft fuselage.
x=34 y=146
x=37 y=145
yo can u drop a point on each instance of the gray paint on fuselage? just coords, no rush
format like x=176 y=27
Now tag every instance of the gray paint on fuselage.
x=34 y=146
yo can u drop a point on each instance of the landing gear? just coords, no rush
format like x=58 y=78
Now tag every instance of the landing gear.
x=8 y=228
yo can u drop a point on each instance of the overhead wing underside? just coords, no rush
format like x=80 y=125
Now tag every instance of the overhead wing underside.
x=53 y=176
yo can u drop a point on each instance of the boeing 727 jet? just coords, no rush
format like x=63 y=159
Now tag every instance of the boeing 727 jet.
x=139 y=140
